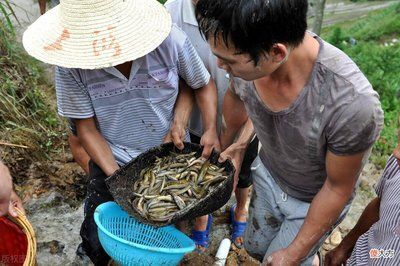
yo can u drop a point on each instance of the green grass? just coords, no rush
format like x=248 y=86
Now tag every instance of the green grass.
x=27 y=115
x=379 y=62
x=374 y=27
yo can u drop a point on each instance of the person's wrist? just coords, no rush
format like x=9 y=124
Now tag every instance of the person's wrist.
x=240 y=146
x=296 y=252
x=180 y=123
x=112 y=170
x=210 y=128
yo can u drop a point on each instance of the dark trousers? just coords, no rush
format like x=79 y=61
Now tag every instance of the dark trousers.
x=97 y=193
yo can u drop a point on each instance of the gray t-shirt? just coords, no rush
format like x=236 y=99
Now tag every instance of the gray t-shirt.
x=337 y=111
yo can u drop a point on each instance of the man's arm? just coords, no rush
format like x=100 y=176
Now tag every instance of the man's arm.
x=193 y=71
x=341 y=253
x=95 y=145
x=235 y=124
x=206 y=99
x=234 y=116
x=182 y=110
x=343 y=172
x=42 y=6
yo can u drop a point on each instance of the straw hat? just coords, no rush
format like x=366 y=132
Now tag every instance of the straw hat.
x=92 y=34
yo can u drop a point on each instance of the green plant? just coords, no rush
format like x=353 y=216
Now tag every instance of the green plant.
x=26 y=114
x=378 y=57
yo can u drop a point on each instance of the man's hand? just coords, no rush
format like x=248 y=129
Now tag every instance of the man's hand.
x=338 y=256
x=235 y=153
x=5 y=189
x=210 y=141
x=281 y=257
x=176 y=134
x=182 y=110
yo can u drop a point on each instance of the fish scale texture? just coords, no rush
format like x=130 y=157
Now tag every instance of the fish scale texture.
x=121 y=184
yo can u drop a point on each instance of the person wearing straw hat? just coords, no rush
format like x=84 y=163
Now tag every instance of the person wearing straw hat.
x=8 y=197
x=118 y=68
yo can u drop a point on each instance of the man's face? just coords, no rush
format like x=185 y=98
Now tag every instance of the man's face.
x=241 y=65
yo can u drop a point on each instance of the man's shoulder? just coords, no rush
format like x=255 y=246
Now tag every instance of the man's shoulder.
x=174 y=7
x=175 y=40
x=333 y=60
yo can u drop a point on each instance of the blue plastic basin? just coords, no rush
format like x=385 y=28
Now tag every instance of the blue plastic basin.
x=129 y=242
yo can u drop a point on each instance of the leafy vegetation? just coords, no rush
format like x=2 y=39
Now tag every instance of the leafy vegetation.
x=28 y=122
x=371 y=42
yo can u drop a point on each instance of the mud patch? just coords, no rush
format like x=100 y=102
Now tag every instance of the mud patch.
x=62 y=175
x=253 y=198
x=239 y=256
x=54 y=247
x=256 y=225
x=272 y=221
x=197 y=259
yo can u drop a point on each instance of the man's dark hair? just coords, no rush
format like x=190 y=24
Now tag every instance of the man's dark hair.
x=253 y=26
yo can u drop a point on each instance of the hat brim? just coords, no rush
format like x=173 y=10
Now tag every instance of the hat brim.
x=99 y=41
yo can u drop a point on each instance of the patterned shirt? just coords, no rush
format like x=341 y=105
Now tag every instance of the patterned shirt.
x=132 y=114
x=380 y=245
x=182 y=13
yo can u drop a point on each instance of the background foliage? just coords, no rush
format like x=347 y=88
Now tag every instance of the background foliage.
x=373 y=42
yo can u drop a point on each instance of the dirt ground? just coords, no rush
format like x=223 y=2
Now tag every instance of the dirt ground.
x=57 y=216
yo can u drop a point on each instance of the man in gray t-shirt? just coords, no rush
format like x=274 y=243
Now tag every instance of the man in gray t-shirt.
x=314 y=112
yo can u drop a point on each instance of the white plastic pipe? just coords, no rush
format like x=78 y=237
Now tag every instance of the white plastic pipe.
x=222 y=253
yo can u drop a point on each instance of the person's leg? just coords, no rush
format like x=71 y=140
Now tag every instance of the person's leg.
x=243 y=188
x=200 y=223
x=97 y=193
x=79 y=153
x=241 y=194
x=295 y=212
x=265 y=218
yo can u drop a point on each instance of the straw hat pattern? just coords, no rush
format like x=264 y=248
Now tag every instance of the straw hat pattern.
x=91 y=34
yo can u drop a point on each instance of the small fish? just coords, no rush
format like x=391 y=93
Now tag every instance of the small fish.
x=179 y=202
x=172 y=183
